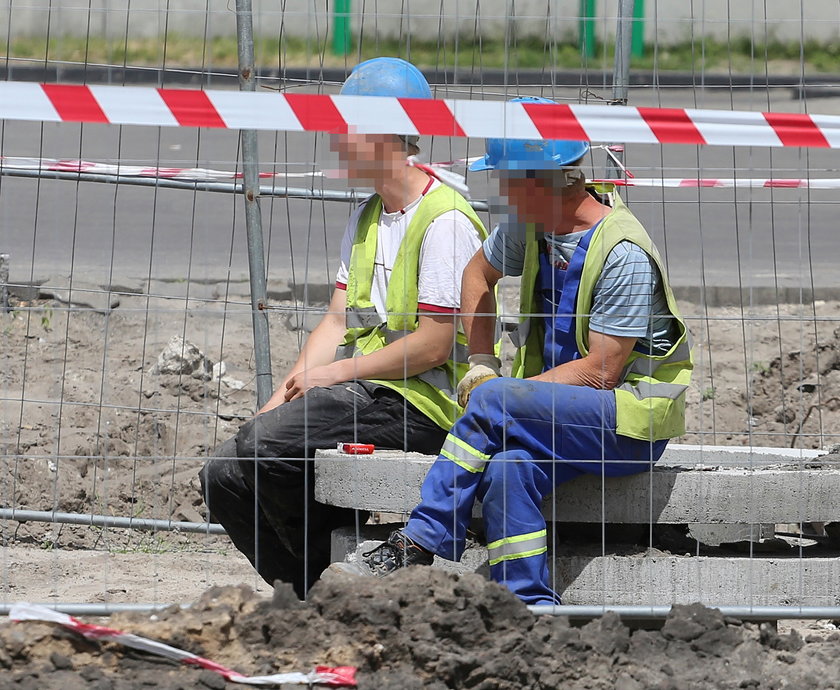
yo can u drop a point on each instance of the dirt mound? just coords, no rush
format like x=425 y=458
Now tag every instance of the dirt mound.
x=423 y=628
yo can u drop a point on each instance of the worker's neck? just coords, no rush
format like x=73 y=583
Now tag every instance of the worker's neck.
x=579 y=213
x=400 y=188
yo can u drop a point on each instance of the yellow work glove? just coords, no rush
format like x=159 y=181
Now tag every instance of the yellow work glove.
x=482 y=368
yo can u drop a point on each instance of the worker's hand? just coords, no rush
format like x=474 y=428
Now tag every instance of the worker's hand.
x=317 y=377
x=482 y=368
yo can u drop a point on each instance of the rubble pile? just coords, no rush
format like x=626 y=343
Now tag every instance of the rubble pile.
x=422 y=628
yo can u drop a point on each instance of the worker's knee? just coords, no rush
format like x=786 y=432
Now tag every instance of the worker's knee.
x=500 y=395
x=221 y=471
x=214 y=476
x=513 y=474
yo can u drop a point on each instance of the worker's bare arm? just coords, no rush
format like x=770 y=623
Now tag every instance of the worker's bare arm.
x=478 y=303
x=319 y=349
x=423 y=349
x=601 y=368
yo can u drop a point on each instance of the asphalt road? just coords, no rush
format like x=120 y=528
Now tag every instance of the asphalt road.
x=111 y=234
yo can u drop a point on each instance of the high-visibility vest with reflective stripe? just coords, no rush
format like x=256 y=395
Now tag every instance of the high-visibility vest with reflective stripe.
x=650 y=398
x=433 y=392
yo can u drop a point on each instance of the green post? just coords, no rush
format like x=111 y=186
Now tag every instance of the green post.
x=342 y=42
x=586 y=33
x=638 y=40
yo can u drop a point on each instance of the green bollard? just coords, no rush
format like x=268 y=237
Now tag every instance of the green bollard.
x=637 y=46
x=586 y=33
x=342 y=41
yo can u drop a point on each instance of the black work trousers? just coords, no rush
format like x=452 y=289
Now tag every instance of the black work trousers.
x=260 y=484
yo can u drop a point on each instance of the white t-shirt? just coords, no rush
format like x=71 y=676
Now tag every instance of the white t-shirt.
x=450 y=242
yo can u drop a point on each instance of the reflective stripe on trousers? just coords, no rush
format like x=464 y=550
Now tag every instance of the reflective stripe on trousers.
x=519 y=546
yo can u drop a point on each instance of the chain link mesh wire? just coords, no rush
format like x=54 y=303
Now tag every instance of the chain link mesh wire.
x=104 y=276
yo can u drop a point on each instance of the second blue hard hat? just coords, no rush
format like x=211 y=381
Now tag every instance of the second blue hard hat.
x=530 y=154
x=386 y=76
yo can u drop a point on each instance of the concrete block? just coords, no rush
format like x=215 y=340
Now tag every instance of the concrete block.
x=685 y=455
x=756 y=492
x=653 y=578
x=712 y=580
x=715 y=535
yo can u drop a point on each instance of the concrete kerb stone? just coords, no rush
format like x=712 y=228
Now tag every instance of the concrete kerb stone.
x=691 y=484
x=81 y=293
x=648 y=577
x=311 y=294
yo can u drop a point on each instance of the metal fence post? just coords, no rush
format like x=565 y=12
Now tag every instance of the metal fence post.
x=621 y=70
x=253 y=218
x=4 y=283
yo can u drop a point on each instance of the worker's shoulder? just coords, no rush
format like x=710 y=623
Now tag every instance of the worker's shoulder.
x=452 y=221
x=626 y=257
x=627 y=250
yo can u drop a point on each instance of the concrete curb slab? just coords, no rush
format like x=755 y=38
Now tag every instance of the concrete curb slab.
x=640 y=578
x=689 y=485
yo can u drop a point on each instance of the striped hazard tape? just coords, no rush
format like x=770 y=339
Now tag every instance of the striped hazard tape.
x=134 y=105
x=73 y=165
x=728 y=182
x=338 y=676
x=64 y=165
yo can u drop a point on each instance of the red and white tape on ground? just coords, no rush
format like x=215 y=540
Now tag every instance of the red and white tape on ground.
x=341 y=676
x=136 y=105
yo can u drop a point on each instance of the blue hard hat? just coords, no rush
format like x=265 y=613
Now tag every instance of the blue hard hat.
x=530 y=154
x=386 y=76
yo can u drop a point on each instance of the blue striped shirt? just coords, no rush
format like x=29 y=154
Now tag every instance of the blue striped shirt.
x=628 y=300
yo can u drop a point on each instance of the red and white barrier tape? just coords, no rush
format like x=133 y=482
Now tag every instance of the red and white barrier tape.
x=94 y=168
x=294 y=112
x=340 y=676
x=439 y=170
x=727 y=183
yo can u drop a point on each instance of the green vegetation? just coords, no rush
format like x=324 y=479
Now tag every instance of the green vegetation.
x=46 y=319
x=760 y=367
x=740 y=56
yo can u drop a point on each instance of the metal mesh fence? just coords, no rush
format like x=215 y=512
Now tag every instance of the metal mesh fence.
x=127 y=344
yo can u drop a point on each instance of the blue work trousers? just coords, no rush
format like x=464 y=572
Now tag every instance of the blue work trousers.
x=516 y=441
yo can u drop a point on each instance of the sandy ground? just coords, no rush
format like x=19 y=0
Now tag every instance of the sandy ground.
x=85 y=427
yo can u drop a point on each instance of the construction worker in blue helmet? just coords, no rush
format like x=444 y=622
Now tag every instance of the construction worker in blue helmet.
x=599 y=378
x=382 y=365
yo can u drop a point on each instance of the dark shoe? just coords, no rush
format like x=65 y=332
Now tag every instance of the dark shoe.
x=397 y=551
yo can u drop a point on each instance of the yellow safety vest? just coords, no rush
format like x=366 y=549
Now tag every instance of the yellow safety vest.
x=650 y=398
x=433 y=392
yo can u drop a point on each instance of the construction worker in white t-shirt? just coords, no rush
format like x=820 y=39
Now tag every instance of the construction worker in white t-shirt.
x=383 y=365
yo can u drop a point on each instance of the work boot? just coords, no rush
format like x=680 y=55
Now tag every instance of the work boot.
x=397 y=551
